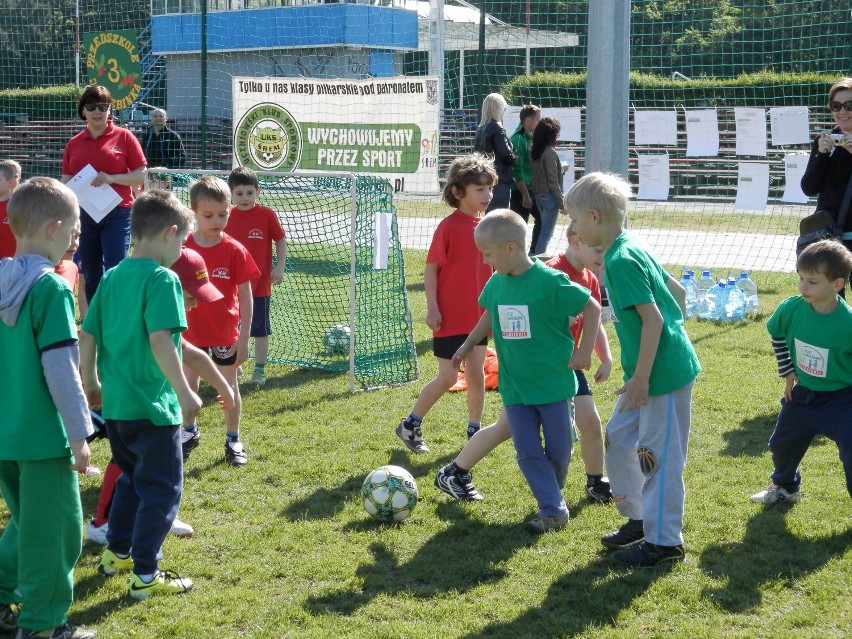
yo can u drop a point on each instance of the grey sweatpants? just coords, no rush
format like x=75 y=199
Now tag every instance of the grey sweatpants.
x=645 y=457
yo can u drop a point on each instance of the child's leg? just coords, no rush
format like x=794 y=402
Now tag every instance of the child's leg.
x=483 y=442
x=433 y=391
x=261 y=350
x=474 y=375
x=233 y=414
x=260 y=331
x=834 y=420
x=663 y=440
x=622 y=462
x=556 y=428
x=794 y=431
x=524 y=423
x=589 y=428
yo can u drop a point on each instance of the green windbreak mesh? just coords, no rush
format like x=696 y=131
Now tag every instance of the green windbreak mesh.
x=310 y=310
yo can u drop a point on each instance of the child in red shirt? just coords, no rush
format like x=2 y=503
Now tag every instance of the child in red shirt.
x=222 y=327
x=257 y=228
x=454 y=277
x=10 y=175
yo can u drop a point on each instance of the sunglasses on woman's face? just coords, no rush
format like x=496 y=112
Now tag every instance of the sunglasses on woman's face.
x=104 y=107
x=836 y=106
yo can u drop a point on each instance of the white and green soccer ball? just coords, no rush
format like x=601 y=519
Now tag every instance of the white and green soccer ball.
x=336 y=339
x=389 y=493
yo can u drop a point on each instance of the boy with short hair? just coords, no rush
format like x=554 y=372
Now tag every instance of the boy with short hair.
x=529 y=308
x=10 y=175
x=648 y=432
x=812 y=337
x=45 y=417
x=257 y=228
x=221 y=328
x=131 y=362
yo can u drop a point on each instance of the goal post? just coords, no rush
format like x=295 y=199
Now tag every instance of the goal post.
x=343 y=303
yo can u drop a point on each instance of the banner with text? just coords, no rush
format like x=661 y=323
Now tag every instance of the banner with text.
x=381 y=126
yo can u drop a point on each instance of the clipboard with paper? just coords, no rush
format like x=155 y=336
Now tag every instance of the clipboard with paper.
x=97 y=201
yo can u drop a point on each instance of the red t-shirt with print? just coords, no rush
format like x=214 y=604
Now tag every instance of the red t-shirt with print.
x=461 y=273
x=257 y=229
x=584 y=278
x=228 y=265
x=8 y=244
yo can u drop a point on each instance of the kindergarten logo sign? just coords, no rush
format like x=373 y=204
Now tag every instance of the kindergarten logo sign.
x=112 y=61
x=385 y=127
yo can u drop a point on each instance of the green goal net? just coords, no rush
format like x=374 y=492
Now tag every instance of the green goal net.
x=342 y=305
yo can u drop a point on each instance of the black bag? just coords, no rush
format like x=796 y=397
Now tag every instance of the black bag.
x=823 y=225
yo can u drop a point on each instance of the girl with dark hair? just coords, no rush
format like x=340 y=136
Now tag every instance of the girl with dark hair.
x=546 y=180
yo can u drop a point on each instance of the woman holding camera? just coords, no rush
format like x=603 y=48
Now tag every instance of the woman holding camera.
x=115 y=153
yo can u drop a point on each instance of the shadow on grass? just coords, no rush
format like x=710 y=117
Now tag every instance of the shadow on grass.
x=457 y=559
x=768 y=553
x=751 y=438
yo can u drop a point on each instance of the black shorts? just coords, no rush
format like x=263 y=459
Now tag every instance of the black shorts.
x=260 y=326
x=582 y=384
x=216 y=354
x=446 y=347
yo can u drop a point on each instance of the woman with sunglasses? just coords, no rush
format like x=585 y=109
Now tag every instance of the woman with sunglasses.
x=117 y=156
x=830 y=165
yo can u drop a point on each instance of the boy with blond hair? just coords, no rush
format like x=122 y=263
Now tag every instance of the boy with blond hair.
x=648 y=432
x=812 y=337
x=45 y=417
x=10 y=175
x=529 y=308
x=221 y=328
x=257 y=228
x=131 y=362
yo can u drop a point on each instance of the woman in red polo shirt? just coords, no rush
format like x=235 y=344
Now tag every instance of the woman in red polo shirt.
x=117 y=156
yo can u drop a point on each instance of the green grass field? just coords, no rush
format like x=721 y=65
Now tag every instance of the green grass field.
x=283 y=547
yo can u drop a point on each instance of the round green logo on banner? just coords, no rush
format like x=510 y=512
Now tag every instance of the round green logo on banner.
x=112 y=61
x=267 y=138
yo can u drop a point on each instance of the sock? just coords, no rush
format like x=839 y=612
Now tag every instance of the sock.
x=232 y=437
x=455 y=469
x=258 y=368
x=191 y=428
x=472 y=428
x=591 y=480
x=121 y=555
x=413 y=421
x=147 y=578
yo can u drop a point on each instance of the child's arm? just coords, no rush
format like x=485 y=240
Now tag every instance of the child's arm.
x=246 y=310
x=61 y=366
x=582 y=357
x=479 y=332
x=678 y=292
x=167 y=359
x=89 y=369
x=786 y=370
x=281 y=254
x=200 y=363
x=635 y=389
x=430 y=285
x=604 y=354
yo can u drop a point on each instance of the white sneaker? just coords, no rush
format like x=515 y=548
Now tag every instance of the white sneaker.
x=181 y=529
x=774 y=494
x=97 y=534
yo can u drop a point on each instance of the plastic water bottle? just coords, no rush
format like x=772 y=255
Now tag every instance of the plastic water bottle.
x=691 y=293
x=734 y=302
x=703 y=284
x=749 y=289
x=712 y=301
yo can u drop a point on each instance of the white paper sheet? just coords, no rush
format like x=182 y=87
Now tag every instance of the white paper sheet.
x=653 y=177
x=511 y=119
x=381 y=239
x=702 y=133
x=751 y=131
x=655 y=127
x=752 y=186
x=97 y=201
x=569 y=120
x=566 y=157
x=794 y=169
x=789 y=125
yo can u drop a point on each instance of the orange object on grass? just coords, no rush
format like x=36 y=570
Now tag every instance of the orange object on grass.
x=490 y=374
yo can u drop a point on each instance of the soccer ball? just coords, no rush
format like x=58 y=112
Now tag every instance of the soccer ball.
x=389 y=493
x=337 y=339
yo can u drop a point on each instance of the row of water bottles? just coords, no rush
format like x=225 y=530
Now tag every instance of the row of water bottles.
x=730 y=299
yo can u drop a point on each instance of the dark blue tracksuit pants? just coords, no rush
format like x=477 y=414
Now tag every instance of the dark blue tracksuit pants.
x=810 y=413
x=147 y=494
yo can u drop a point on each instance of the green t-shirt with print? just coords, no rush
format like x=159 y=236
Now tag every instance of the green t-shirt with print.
x=31 y=427
x=136 y=298
x=530 y=319
x=632 y=277
x=820 y=345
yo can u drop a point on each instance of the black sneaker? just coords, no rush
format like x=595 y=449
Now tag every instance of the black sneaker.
x=189 y=440
x=235 y=454
x=8 y=617
x=648 y=555
x=411 y=437
x=599 y=492
x=457 y=485
x=629 y=535
x=65 y=631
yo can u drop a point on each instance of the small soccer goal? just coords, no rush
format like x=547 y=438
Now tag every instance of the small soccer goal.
x=343 y=303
